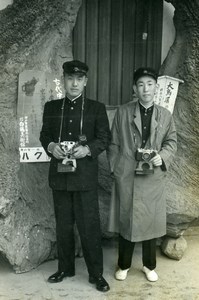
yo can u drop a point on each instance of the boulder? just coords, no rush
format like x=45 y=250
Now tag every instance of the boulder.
x=174 y=248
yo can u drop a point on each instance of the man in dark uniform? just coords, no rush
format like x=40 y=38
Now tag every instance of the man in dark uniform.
x=75 y=131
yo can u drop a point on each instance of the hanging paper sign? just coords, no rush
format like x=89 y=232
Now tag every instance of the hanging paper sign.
x=34 y=89
x=33 y=154
x=167 y=91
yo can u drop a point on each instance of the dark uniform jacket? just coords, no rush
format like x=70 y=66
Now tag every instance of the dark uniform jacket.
x=96 y=129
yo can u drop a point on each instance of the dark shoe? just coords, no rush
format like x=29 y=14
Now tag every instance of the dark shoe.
x=59 y=276
x=91 y=279
x=101 y=284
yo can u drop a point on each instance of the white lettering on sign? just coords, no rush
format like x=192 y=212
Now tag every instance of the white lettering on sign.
x=23 y=131
x=58 y=88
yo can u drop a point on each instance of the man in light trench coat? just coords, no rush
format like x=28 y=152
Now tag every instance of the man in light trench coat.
x=138 y=205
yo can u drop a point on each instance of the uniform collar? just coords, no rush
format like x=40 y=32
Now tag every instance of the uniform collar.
x=72 y=100
x=146 y=109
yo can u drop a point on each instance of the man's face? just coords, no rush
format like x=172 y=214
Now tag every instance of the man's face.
x=74 y=84
x=145 y=89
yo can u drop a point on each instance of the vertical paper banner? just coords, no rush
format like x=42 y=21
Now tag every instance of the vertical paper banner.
x=34 y=89
x=167 y=91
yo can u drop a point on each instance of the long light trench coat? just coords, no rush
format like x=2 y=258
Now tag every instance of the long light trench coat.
x=138 y=204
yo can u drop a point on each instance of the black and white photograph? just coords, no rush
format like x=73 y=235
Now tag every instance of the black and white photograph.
x=99 y=151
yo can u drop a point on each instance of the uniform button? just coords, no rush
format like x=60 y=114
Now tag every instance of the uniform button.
x=144 y=141
x=74 y=102
x=69 y=133
x=70 y=121
x=145 y=127
x=72 y=108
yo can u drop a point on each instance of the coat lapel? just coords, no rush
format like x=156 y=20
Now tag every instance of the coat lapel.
x=154 y=125
x=137 y=118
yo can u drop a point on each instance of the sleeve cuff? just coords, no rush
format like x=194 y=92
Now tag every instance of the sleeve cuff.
x=163 y=166
x=89 y=153
x=49 y=148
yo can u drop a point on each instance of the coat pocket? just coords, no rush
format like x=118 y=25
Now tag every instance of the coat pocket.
x=118 y=169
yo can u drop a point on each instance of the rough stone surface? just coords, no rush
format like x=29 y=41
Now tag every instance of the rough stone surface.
x=176 y=231
x=174 y=248
x=182 y=62
x=34 y=35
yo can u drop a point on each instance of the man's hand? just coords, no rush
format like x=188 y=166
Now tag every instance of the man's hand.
x=80 y=151
x=56 y=151
x=156 y=160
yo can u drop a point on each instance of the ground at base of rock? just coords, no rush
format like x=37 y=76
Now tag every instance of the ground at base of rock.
x=177 y=279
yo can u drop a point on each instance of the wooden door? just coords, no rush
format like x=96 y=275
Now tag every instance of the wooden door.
x=114 y=37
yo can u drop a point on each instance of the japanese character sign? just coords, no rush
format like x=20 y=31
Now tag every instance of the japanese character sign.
x=34 y=89
x=167 y=91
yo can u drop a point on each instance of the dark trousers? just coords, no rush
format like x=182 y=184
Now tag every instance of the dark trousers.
x=82 y=208
x=126 y=249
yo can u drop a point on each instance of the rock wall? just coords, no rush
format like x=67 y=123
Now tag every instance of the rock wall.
x=33 y=35
x=182 y=62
